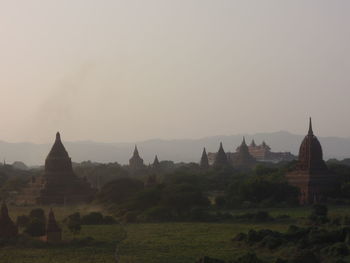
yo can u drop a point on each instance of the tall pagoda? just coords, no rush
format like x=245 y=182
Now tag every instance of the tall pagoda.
x=242 y=159
x=221 y=159
x=311 y=174
x=204 y=162
x=8 y=229
x=59 y=184
x=136 y=162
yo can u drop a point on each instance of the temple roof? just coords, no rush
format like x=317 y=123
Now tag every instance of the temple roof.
x=52 y=225
x=252 y=144
x=310 y=153
x=58 y=149
x=204 y=163
x=7 y=228
x=156 y=162
x=221 y=157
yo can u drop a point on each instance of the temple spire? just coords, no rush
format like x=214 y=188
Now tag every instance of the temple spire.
x=204 y=163
x=58 y=136
x=310 y=128
x=136 y=151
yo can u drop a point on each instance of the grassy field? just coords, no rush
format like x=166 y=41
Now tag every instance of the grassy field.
x=146 y=243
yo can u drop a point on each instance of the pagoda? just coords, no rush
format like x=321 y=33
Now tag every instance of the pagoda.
x=204 y=162
x=136 y=162
x=53 y=231
x=156 y=163
x=242 y=159
x=311 y=174
x=8 y=229
x=59 y=184
x=221 y=159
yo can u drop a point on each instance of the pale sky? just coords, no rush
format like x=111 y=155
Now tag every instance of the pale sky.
x=117 y=71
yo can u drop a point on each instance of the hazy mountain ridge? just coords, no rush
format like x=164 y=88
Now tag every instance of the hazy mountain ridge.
x=185 y=150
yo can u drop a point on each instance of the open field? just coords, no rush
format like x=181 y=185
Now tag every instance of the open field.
x=146 y=243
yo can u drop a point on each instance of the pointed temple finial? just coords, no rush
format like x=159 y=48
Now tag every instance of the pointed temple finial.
x=244 y=140
x=58 y=136
x=310 y=127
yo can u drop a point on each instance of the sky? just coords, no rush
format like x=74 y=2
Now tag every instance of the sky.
x=124 y=71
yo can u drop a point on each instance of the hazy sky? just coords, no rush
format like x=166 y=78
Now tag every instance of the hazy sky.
x=131 y=70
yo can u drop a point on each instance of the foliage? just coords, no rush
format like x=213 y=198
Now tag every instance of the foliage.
x=35 y=228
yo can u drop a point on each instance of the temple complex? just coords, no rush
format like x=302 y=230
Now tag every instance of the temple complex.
x=59 y=184
x=242 y=159
x=221 y=159
x=136 y=162
x=263 y=153
x=311 y=174
x=53 y=231
x=204 y=162
x=8 y=229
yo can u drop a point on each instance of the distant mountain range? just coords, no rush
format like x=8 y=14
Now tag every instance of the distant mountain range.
x=182 y=150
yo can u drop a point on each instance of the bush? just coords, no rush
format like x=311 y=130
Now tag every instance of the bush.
x=22 y=221
x=249 y=258
x=38 y=213
x=73 y=223
x=94 y=218
x=158 y=213
x=304 y=256
x=338 y=249
x=109 y=220
x=35 y=228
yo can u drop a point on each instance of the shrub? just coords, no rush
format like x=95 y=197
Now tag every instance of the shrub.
x=37 y=213
x=109 y=220
x=94 y=218
x=338 y=249
x=158 y=213
x=248 y=258
x=304 y=256
x=73 y=223
x=22 y=221
x=35 y=228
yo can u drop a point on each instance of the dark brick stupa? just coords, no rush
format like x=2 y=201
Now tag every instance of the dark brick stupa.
x=136 y=162
x=7 y=228
x=204 y=162
x=156 y=163
x=242 y=159
x=311 y=174
x=221 y=159
x=53 y=231
x=59 y=184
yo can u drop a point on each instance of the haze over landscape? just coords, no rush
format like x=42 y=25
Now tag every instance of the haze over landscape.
x=127 y=71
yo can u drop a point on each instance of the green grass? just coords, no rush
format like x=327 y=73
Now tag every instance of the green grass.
x=148 y=243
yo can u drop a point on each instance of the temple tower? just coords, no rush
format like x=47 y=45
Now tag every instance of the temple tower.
x=8 y=229
x=311 y=174
x=204 y=162
x=242 y=159
x=53 y=231
x=136 y=162
x=221 y=159
x=156 y=163
x=59 y=184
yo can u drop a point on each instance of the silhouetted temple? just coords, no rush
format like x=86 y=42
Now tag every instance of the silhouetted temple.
x=59 y=184
x=53 y=231
x=136 y=162
x=242 y=158
x=311 y=174
x=156 y=164
x=204 y=162
x=221 y=159
x=7 y=228
x=263 y=153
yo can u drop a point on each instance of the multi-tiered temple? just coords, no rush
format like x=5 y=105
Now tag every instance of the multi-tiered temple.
x=59 y=184
x=311 y=174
